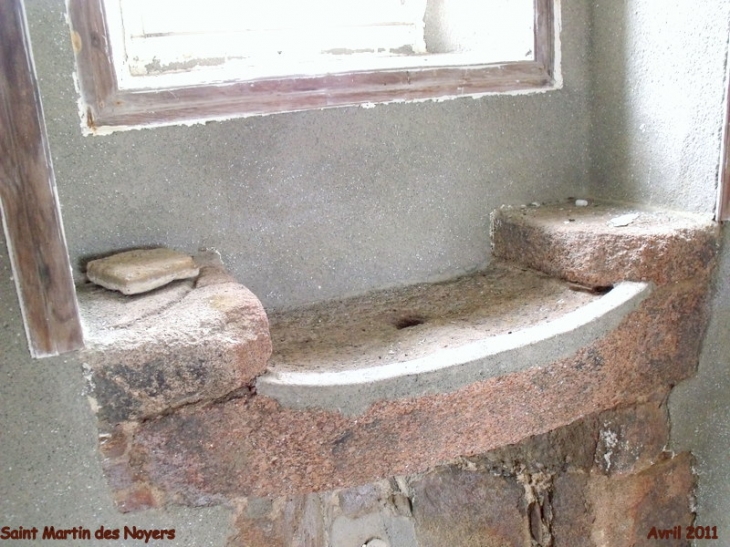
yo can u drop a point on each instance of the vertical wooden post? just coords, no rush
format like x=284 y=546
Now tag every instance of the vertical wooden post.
x=722 y=212
x=28 y=201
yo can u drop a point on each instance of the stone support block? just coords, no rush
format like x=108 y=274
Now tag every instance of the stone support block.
x=470 y=508
x=572 y=519
x=626 y=509
x=282 y=522
x=182 y=344
x=349 y=517
x=631 y=439
x=581 y=244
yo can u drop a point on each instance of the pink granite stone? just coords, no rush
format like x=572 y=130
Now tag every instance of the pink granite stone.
x=580 y=244
x=182 y=344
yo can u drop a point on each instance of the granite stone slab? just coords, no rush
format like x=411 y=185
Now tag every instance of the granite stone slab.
x=141 y=270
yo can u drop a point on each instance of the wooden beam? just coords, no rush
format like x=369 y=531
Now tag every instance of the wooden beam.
x=108 y=107
x=722 y=212
x=28 y=201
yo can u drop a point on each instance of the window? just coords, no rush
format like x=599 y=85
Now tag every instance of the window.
x=142 y=62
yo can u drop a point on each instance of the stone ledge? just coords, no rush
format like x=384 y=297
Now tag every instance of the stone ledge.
x=252 y=446
x=579 y=243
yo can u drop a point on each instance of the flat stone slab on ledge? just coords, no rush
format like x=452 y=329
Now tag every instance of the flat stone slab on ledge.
x=430 y=338
x=141 y=270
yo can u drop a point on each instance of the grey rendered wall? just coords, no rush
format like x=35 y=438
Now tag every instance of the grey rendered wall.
x=658 y=104
x=302 y=206
x=316 y=205
x=658 y=75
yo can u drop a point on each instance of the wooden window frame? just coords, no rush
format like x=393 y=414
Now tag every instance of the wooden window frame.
x=106 y=107
x=28 y=201
x=722 y=209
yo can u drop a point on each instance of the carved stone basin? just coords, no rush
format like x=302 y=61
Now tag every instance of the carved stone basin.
x=434 y=338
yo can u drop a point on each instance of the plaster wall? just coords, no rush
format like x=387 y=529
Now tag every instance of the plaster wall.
x=315 y=205
x=657 y=101
x=700 y=408
x=659 y=79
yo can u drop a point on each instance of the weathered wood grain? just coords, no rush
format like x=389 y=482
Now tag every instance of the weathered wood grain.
x=545 y=36
x=30 y=210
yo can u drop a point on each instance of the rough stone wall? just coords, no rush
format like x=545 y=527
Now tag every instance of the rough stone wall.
x=605 y=480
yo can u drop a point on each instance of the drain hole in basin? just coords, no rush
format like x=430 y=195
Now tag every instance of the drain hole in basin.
x=408 y=321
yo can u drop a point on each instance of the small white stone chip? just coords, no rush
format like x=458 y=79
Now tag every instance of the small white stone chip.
x=581 y=203
x=141 y=270
x=623 y=220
